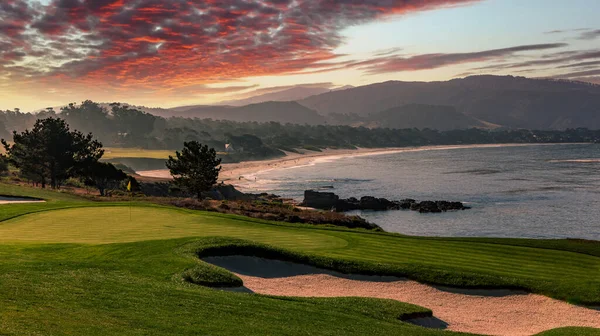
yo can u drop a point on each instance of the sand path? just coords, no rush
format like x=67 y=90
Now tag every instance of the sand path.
x=490 y=312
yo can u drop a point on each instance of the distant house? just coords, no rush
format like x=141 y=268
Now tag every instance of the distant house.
x=230 y=148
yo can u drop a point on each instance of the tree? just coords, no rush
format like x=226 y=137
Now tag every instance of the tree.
x=50 y=152
x=196 y=168
x=131 y=121
x=102 y=175
x=87 y=117
x=3 y=164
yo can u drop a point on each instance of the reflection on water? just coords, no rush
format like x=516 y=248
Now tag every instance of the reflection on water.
x=531 y=191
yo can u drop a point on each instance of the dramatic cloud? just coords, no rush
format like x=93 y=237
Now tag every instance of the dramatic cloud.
x=579 y=74
x=325 y=85
x=432 y=61
x=386 y=52
x=153 y=45
x=582 y=60
x=562 y=31
x=590 y=35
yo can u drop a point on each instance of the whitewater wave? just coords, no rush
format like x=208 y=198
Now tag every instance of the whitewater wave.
x=577 y=161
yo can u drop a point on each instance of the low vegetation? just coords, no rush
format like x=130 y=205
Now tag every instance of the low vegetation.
x=273 y=210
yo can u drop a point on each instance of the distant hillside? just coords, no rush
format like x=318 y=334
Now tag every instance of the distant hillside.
x=283 y=112
x=292 y=94
x=419 y=116
x=515 y=102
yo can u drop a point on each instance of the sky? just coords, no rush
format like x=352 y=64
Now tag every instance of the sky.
x=181 y=52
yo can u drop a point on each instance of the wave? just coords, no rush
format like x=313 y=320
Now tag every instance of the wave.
x=577 y=161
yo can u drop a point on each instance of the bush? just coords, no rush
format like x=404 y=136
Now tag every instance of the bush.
x=3 y=165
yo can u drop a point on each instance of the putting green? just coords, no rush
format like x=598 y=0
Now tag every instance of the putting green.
x=117 y=224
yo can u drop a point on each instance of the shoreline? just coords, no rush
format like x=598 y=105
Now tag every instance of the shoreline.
x=233 y=172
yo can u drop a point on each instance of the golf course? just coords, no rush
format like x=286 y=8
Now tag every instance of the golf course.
x=73 y=266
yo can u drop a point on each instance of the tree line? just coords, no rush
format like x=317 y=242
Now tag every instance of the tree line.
x=51 y=153
x=118 y=125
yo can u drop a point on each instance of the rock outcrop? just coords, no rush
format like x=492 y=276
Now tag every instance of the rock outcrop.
x=331 y=201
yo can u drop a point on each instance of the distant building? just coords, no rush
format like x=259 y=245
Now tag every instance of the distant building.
x=229 y=148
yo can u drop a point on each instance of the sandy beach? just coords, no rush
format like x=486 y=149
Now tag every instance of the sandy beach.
x=232 y=172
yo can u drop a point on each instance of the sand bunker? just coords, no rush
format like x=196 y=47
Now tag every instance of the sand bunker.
x=492 y=312
x=12 y=200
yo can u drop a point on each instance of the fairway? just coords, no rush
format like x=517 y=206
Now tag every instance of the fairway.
x=117 y=268
x=114 y=152
x=509 y=265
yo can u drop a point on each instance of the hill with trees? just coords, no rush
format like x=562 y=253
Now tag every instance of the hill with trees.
x=283 y=112
x=511 y=102
x=128 y=127
x=421 y=116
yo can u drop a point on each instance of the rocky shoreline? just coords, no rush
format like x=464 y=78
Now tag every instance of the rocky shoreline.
x=331 y=201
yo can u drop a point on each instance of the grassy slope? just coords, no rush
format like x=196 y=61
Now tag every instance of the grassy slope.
x=133 y=286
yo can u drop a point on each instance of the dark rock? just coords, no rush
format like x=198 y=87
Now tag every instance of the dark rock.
x=330 y=201
x=374 y=203
x=320 y=200
x=405 y=204
x=426 y=207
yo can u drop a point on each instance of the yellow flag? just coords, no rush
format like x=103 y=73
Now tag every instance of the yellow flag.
x=129 y=186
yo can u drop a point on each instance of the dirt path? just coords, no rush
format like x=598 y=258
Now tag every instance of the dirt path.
x=491 y=312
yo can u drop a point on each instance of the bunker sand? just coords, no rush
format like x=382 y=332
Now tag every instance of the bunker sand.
x=490 y=312
x=18 y=200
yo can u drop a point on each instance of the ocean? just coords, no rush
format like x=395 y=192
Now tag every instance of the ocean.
x=535 y=191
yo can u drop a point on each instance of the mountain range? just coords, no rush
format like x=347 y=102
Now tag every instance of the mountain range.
x=505 y=101
x=477 y=101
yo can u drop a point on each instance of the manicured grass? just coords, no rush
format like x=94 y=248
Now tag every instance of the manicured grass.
x=564 y=275
x=132 y=269
x=129 y=289
x=135 y=289
x=54 y=200
x=114 y=152
x=571 y=331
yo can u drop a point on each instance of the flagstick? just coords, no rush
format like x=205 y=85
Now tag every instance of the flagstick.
x=130 y=198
